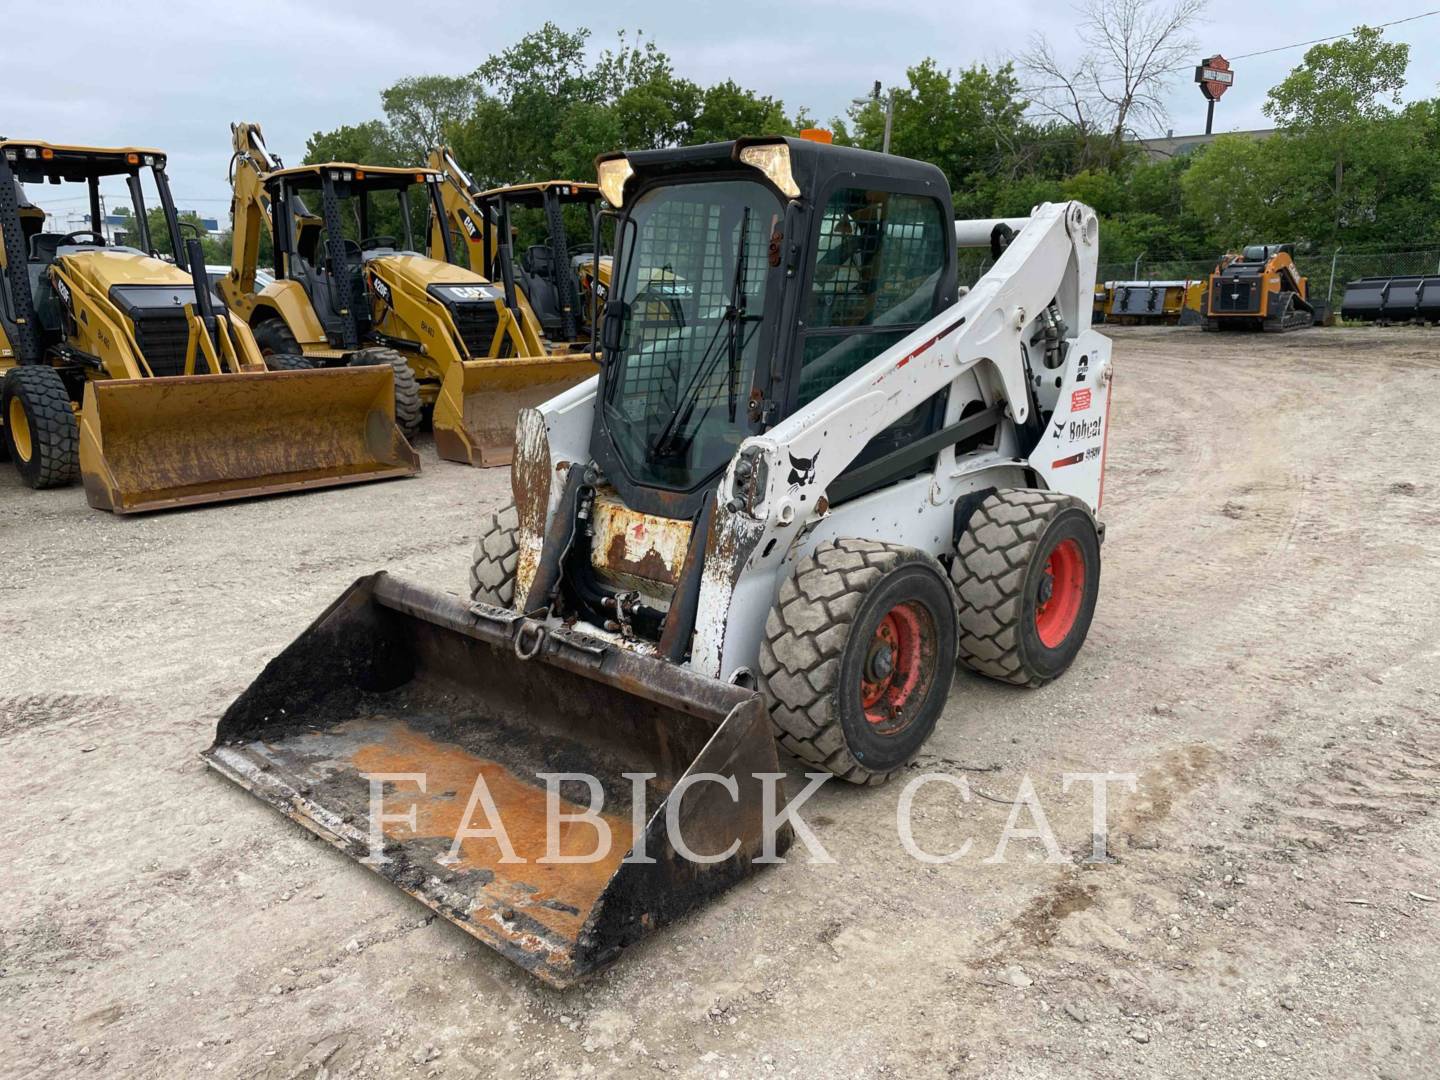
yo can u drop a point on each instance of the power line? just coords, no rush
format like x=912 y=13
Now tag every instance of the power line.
x=1336 y=37
x=1261 y=52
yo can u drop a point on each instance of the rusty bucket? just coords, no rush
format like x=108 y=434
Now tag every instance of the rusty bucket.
x=404 y=725
x=160 y=443
x=480 y=400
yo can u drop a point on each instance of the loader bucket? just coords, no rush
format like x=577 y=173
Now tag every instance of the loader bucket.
x=481 y=399
x=386 y=725
x=160 y=443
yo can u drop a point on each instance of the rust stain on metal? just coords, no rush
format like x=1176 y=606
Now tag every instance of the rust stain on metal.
x=637 y=548
x=530 y=474
x=559 y=896
x=732 y=540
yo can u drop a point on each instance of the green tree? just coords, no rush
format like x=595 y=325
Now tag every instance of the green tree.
x=1233 y=189
x=369 y=143
x=424 y=111
x=964 y=122
x=1335 y=104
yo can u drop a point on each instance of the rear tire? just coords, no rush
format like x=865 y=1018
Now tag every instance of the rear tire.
x=285 y=362
x=858 y=657
x=1027 y=573
x=274 y=338
x=407 y=387
x=497 y=553
x=41 y=432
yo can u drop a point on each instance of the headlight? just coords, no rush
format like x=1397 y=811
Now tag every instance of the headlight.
x=611 y=176
x=773 y=159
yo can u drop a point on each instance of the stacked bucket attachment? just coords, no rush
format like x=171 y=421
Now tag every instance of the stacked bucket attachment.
x=388 y=724
x=1393 y=300
x=480 y=400
x=160 y=443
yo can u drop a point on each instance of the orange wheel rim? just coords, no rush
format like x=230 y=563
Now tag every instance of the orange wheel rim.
x=1061 y=591
x=897 y=671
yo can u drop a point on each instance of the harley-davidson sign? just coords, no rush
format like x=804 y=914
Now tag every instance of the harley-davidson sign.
x=1214 y=76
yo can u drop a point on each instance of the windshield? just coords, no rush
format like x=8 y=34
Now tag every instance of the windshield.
x=677 y=391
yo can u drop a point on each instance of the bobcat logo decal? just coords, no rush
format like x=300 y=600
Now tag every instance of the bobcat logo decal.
x=802 y=470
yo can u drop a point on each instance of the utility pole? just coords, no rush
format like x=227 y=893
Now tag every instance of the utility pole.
x=875 y=95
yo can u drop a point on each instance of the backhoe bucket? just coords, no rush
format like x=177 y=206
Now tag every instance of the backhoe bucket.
x=481 y=399
x=160 y=443
x=415 y=732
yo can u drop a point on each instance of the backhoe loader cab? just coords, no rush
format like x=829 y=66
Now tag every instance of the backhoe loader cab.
x=552 y=287
x=558 y=278
x=125 y=370
x=803 y=486
x=355 y=287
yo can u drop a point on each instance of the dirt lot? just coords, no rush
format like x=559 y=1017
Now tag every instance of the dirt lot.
x=1264 y=658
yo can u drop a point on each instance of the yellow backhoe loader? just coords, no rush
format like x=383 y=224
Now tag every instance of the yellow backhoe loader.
x=347 y=292
x=553 y=287
x=122 y=369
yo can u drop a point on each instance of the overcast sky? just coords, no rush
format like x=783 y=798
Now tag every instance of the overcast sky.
x=174 y=74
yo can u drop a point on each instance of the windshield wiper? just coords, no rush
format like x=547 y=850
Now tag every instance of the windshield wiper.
x=668 y=441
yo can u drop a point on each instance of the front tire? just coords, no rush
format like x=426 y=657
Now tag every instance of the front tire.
x=407 y=387
x=41 y=433
x=858 y=657
x=1027 y=573
x=274 y=338
x=497 y=553
x=287 y=362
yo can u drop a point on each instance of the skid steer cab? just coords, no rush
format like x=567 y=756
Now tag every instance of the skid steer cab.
x=815 y=473
x=121 y=367
x=353 y=288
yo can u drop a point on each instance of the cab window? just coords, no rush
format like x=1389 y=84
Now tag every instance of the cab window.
x=877 y=274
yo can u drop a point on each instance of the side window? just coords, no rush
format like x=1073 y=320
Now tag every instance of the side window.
x=877 y=268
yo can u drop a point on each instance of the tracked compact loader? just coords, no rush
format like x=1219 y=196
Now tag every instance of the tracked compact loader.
x=1258 y=289
x=122 y=369
x=352 y=289
x=796 y=494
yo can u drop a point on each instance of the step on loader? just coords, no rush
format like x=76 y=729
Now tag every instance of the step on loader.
x=549 y=291
x=123 y=369
x=799 y=493
x=352 y=289
x=1258 y=289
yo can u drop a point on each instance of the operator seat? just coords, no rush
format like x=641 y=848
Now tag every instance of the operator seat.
x=43 y=248
x=537 y=278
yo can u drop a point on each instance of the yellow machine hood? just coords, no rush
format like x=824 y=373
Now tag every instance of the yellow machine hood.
x=102 y=268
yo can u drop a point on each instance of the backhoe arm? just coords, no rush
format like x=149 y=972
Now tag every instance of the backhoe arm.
x=462 y=216
x=249 y=210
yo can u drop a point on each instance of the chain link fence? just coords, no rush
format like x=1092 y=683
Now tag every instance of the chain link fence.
x=1318 y=266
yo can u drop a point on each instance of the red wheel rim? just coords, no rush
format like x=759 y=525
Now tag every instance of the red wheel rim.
x=898 y=667
x=1061 y=590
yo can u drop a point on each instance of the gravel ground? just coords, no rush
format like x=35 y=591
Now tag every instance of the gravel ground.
x=1262 y=659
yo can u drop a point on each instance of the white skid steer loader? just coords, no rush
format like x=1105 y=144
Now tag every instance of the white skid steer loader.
x=812 y=474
